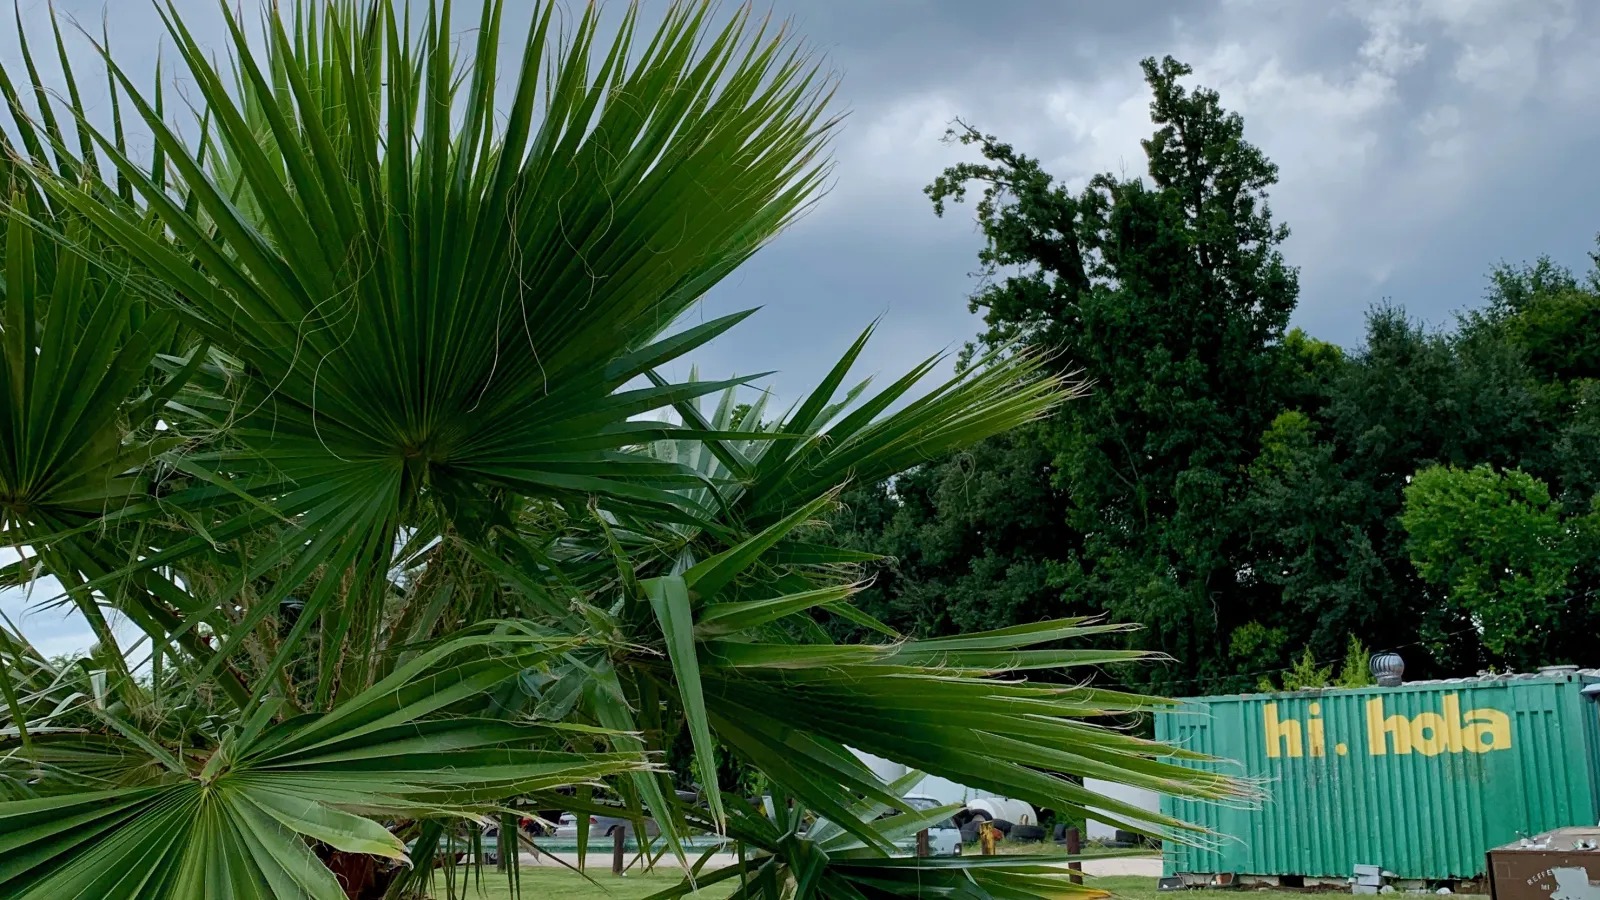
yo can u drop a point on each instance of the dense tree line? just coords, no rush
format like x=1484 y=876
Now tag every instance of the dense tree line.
x=1243 y=490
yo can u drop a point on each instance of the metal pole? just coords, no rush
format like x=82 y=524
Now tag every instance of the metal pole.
x=1073 y=847
x=618 y=835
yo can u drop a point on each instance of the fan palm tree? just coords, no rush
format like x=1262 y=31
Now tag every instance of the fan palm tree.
x=348 y=400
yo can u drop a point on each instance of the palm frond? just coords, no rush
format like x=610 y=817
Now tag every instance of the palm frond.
x=348 y=397
x=232 y=819
x=409 y=308
x=840 y=860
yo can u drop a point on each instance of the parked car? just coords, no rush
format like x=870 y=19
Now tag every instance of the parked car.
x=528 y=826
x=1001 y=809
x=602 y=826
x=567 y=827
x=944 y=837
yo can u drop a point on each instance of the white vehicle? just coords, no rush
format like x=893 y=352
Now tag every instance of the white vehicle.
x=602 y=826
x=1003 y=809
x=567 y=827
x=944 y=838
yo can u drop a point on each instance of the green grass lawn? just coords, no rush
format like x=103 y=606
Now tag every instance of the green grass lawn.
x=559 y=884
x=551 y=883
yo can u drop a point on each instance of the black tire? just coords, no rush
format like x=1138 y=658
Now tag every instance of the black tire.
x=1027 y=833
x=969 y=832
x=1003 y=826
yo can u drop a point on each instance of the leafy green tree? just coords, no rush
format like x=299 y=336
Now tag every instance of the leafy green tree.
x=1575 y=463
x=1496 y=544
x=1355 y=671
x=1253 y=649
x=1305 y=674
x=1327 y=490
x=1235 y=488
x=1550 y=313
x=971 y=538
x=1305 y=541
x=1170 y=296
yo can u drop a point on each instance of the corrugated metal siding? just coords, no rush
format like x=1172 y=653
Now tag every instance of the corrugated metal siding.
x=1591 y=726
x=1416 y=814
x=1191 y=728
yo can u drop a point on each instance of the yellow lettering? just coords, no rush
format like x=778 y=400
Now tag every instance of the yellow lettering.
x=1287 y=731
x=1314 y=739
x=1429 y=734
x=1487 y=729
x=1452 y=722
x=1378 y=727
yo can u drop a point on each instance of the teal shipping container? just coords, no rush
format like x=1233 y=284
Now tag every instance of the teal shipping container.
x=1421 y=779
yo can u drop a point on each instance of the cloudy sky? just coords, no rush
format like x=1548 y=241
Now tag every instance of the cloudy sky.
x=1419 y=142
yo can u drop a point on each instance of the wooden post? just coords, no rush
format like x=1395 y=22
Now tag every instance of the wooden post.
x=505 y=842
x=1073 y=847
x=922 y=843
x=618 y=835
x=986 y=837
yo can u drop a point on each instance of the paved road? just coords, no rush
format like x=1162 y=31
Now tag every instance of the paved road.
x=1147 y=866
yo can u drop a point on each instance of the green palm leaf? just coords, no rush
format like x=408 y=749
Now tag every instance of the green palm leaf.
x=420 y=304
x=348 y=398
x=840 y=860
x=233 y=820
x=80 y=393
x=410 y=307
x=942 y=706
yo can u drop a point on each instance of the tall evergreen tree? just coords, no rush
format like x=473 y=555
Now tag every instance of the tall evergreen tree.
x=1170 y=295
